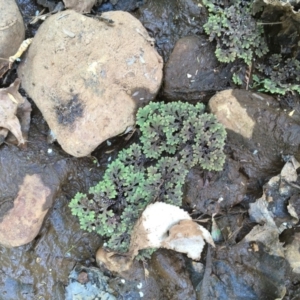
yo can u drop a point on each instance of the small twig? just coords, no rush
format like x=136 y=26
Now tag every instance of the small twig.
x=292 y=184
x=274 y=23
x=248 y=76
x=204 y=290
x=25 y=44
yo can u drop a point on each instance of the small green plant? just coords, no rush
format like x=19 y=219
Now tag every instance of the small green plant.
x=282 y=75
x=231 y=24
x=175 y=137
x=237 y=79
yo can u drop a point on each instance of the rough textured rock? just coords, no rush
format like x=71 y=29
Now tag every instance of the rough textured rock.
x=192 y=71
x=259 y=133
x=88 y=283
x=82 y=7
x=241 y=272
x=12 y=29
x=170 y=272
x=108 y=72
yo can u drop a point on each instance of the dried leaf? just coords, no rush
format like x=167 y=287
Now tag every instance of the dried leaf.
x=288 y=172
x=23 y=114
x=292 y=253
x=10 y=100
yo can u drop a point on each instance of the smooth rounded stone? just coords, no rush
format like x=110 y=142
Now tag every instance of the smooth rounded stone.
x=25 y=204
x=88 y=283
x=88 y=77
x=192 y=71
x=22 y=223
x=259 y=133
x=12 y=29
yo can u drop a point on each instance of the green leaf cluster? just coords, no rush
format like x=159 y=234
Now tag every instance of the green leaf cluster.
x=278 y=75
x=175 y=137
x=236 y=32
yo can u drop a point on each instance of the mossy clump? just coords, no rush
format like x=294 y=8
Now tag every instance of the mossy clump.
x=236 y=32
x=175 y=137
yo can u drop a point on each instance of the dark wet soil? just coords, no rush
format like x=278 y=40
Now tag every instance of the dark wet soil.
x=41 y=268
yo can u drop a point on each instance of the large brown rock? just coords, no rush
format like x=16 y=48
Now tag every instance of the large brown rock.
x=259 y=133
x=193 y=72
x=88 y=77
x=12 y=29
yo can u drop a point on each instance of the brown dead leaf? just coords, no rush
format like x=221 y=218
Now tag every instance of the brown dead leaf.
x=23 y=114
x=8 y=110
x=292 y=253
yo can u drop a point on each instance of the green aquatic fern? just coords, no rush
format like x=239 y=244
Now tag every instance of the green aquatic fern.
x=236 y=32
x=175 y=137
x=278 y=75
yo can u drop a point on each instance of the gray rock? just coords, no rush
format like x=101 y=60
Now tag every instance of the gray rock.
x=88 y=284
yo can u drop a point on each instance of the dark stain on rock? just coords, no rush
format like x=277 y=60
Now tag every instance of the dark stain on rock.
x=69 y=112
